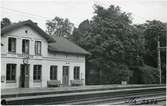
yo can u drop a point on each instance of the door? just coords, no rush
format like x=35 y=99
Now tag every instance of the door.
x=65 y=75
x=24 y=76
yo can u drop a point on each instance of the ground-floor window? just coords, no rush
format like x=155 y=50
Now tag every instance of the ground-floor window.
x=37 y=72
x=53 y=72
x=76 y=72
x=11 y=72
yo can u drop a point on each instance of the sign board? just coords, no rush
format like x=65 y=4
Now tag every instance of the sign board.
x=124 y=82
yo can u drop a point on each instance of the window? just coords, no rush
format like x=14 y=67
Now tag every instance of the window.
x=53 y=73
x=37 y=72
x=37 y=47
x=76 y=72
x=11 y=72
x=12 y=44
x=25 y=46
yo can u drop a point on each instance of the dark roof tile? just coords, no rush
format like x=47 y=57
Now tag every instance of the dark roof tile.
x=64 y=45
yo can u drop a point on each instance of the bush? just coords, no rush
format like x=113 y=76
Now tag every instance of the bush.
x=116 y=74
x=145 y=75
x=150 y=75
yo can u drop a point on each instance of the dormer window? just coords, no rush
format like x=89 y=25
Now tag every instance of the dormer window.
x=37 y=47
x=12 y=44
x=25 y=46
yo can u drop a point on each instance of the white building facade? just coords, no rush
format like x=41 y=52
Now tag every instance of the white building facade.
x=30 y=58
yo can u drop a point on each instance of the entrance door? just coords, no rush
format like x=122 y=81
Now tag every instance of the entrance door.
x=24 y=76
x=65 y=75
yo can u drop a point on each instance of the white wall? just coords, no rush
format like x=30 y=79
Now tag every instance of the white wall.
x=20 y=34
x=46 y=63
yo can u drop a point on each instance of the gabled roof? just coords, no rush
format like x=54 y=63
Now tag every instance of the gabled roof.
x=66 y=46
x=56 y=44
x=29 y=23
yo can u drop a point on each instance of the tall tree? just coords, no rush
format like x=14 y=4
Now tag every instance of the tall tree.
x=59 y=27
x=5 y=22
x=81 y=32
x=107 y=37
x=153 y=30
x=119 y=48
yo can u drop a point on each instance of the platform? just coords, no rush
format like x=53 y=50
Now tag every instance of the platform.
x=35 y=91
x=47 y=95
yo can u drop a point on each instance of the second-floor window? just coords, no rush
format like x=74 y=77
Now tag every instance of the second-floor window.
x=25 y=46
x=12 y=44
x=37 y=47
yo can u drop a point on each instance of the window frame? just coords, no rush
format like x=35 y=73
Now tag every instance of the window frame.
x=11 y=73
x=11 y=45
x=76 y=73
x=38 y=50
x=53 y=70
x=24 y=49
x=37 y=73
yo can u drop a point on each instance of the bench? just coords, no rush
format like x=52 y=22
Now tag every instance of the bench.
x=53 y=83
x=76 y=82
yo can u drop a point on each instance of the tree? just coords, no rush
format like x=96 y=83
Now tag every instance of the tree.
x=107 y=37
x=59 y=27
x=5 y=22
x=153 y=29
x=80 y=32
x=120 y=50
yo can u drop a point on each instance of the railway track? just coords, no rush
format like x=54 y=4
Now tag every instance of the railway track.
x=117 y=99
x=114 y=96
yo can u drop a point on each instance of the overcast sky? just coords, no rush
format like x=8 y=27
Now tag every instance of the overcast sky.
x=78 y=10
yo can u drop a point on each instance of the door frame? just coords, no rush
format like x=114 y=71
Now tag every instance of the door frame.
x=67 y=82
x=26 y=75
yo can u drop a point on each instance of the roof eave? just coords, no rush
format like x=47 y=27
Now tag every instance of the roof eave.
x=49 y=49
x=32 y=25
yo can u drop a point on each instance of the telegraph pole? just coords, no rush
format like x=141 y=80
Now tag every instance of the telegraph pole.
x=159 y=60
x=166 y=43
x=159 y=56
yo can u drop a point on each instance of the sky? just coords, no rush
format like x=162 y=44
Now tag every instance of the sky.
x=79 y=10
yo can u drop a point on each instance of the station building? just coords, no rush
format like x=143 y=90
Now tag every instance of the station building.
x=31 y=58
